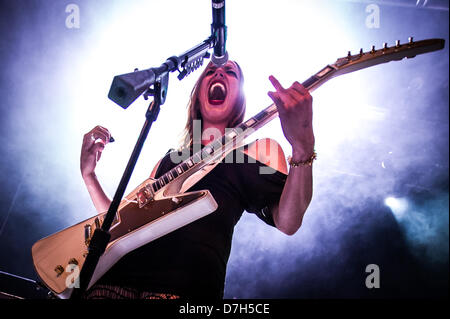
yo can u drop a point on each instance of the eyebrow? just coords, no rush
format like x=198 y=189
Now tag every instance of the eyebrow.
x=227 y=67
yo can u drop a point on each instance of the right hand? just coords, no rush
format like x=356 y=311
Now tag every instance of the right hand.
x=93 y=144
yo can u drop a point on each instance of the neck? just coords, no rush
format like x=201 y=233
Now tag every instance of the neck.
x=211 y=131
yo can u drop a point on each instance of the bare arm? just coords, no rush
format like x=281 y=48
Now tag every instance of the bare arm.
x=295 y=110
x=93 y=144
x=297 y=192
x=98 y=196
x=294 y=201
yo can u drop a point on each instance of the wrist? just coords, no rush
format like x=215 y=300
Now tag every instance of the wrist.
x=88 y=177
x=301 y=158
x=301 y=154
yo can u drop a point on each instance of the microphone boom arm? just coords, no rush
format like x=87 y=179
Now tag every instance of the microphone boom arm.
x=126 y=88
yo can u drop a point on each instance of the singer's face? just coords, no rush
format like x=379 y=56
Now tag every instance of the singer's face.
x=219 y=92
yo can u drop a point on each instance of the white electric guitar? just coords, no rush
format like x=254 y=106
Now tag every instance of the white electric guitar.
x=158 y=207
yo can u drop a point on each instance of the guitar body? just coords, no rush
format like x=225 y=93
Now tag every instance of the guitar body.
x=56 y=256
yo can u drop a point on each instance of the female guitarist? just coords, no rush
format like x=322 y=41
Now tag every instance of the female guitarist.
x=191 y=261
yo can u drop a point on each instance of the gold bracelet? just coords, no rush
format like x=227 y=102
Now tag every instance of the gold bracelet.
x=308 y=162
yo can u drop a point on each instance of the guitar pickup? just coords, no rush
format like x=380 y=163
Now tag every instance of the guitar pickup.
x=144 y=195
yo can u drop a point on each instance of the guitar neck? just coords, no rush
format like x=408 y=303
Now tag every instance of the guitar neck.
x=270 y=112
x=350 y=63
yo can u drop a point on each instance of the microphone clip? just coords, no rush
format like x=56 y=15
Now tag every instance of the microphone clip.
x=188 y=68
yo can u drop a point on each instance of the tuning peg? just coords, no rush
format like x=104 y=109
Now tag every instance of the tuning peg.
x=385 y=46
x=349 y=55
x=373 y=49
x=410 y=40
x=361 y=51
x=397 y=43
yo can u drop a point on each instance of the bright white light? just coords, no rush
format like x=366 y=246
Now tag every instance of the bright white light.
x=119 y=44
x=398 y=205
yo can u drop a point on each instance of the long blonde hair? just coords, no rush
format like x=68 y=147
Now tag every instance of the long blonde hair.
x=194 y=110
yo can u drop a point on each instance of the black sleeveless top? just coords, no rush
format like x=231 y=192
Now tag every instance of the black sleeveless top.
x=191 y=261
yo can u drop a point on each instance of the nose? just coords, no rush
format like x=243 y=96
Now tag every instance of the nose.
x=219 y=74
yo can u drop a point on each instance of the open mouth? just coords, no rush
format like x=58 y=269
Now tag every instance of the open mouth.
x=217 y=93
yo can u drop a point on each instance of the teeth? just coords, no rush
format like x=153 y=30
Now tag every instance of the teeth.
x=217 y=84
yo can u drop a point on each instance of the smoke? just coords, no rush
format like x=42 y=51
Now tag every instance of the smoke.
x=425 y=227
x=379 y=132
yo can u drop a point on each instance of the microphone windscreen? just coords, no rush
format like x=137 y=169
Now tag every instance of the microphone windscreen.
x=221 y=60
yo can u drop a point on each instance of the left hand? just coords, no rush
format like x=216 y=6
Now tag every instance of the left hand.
x=295 y=111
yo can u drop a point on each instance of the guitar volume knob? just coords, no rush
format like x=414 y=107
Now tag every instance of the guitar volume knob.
x=87 y=234
x=97 y=223
x=59 y=270
x=73 y=261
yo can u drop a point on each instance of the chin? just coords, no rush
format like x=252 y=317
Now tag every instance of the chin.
x=217 y=113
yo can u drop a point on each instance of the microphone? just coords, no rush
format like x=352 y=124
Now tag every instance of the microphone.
x=219 y=32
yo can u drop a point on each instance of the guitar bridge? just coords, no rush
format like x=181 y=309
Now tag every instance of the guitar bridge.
x=144 y=195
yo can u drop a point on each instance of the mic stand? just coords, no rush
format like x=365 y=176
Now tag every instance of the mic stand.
x=101 y=236
x=125 y=89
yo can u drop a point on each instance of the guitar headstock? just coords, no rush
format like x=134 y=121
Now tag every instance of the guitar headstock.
x=399 y=51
